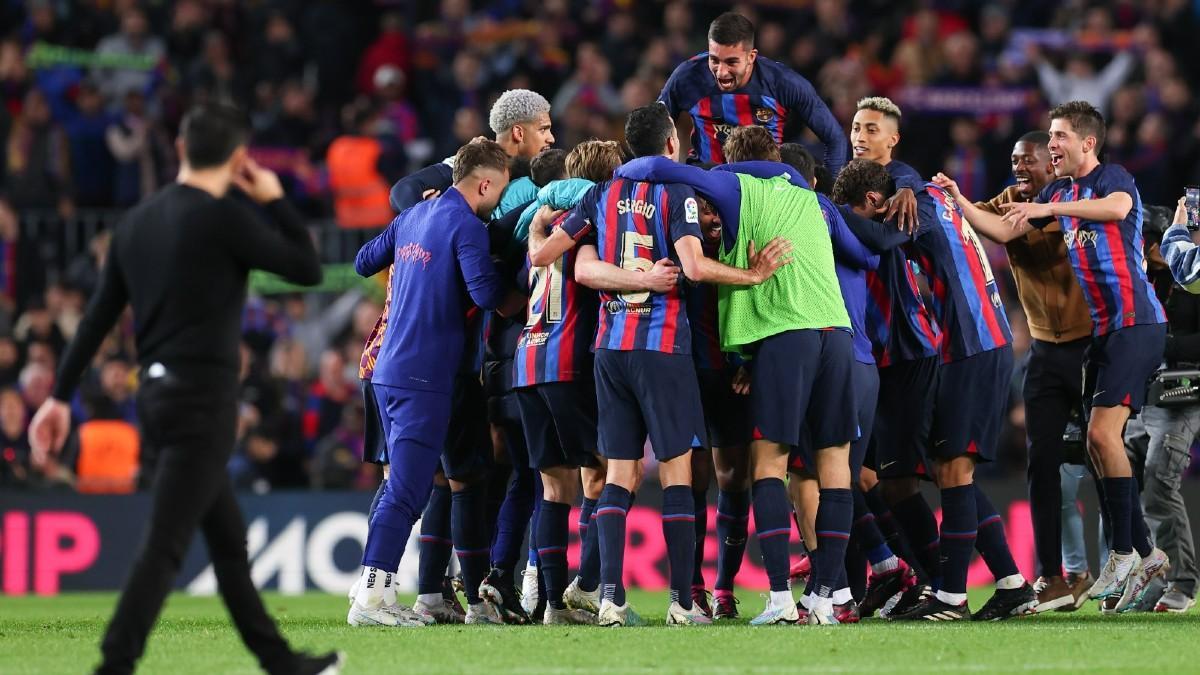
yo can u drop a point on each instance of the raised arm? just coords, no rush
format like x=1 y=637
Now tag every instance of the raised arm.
x=286 y=250
x=873 y=234
x=982 y=221
x=800 y=96
x=720 y=187
x=411 y=189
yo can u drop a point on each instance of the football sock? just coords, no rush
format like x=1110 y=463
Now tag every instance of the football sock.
x=552 y=549
x=990 y=541
x=771 y=509
x=959 y=527
x=468 y=527
x=434 y=543
x=589 y=550
x=834 y=515
x=609 y=522
x=733 y=512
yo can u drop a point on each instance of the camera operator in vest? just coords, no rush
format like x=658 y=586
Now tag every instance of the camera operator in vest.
x=1159 y=441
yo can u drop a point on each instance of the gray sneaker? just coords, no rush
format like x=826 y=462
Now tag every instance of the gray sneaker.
x=1175 y=601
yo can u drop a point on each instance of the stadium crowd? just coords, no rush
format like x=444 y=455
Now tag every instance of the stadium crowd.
x=93 y=93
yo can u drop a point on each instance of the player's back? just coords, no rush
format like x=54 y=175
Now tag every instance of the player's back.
x=966 y=298
x=424 y=350
x=636 y=224
x=554 y=345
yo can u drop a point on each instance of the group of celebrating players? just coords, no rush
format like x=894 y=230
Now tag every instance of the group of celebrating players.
x=760 y=321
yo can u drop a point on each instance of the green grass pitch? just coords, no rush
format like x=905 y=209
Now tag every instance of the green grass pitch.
x=61 y=634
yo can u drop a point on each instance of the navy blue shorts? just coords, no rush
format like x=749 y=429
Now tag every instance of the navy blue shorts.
x=1118 y=366
x=968 y=413
x=374 y=443
x=726 y=414
x=801 y=385
x=648 y=393
x=866 y=391
x=559 y=419
x=413 y=418
x=468 y=449
x=903 y=417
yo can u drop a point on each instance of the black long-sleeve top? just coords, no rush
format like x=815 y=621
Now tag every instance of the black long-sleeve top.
x=181 y=259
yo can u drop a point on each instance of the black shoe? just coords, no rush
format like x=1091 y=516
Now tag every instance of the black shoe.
x=498 y=588
x=933 y=609
x=1006 y=604
x=881 y=588
x=309 y=664
x=910 y=600
x=451 y=587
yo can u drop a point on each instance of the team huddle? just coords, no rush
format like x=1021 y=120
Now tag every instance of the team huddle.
x=756 y=315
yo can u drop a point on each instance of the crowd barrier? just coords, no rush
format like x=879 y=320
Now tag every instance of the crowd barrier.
x=312 y=541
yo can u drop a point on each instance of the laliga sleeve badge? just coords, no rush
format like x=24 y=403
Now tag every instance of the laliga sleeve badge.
x=691 y=213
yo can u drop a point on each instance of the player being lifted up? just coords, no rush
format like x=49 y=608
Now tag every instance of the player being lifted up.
x=731 y=86
x=645 y=380
x=1100 y=211
x=797 y=328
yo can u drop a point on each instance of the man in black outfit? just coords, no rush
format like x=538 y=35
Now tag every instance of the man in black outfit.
x=181 y=258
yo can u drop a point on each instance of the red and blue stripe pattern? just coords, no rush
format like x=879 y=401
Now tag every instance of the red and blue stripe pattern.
x=555 y=345
x=714 y=116
x=633 y=230
x=1107 y=256
x=966 y=299
x=898 y=322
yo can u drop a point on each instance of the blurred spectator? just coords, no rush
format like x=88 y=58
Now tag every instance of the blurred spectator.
x=84 y=271
x=1079 y=81
x=363 y=165
x=10 y=361
x=337 y=460
x=91 y=161
x=39 y=325
x=399 y=113
x=133 y=41
x=38 y=173
x=215 y=77
x=36 y=381
x=389 y=49
x=326 y=398
x=966 y=160
x=280 y=56
x=588 y=86
x=14 y=443
x=142 y=151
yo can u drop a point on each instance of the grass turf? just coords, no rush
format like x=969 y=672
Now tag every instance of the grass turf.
x=61 y=635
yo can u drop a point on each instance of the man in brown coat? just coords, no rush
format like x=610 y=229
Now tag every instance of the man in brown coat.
x=1061 y=329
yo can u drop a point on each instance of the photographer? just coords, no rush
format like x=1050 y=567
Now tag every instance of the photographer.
x=1159 y=441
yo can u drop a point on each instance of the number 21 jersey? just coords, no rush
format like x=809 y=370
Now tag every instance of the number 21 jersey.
x=635 y=224
x=555 y=344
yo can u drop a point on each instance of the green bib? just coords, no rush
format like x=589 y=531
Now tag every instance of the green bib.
x=801 y=295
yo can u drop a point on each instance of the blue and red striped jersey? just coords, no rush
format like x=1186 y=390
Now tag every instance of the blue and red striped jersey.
x=556 y=343
x=702 y=318
x=966 y=299
x=635 y=224
x=772 y=95
x=898 y=322
x=1107 y=257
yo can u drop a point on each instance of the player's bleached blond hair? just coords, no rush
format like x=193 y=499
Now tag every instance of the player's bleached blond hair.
x=880 y=104
x=514 y=107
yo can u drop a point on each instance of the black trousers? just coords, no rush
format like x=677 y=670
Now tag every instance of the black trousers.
x=1053 y=391
x=191 y=428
